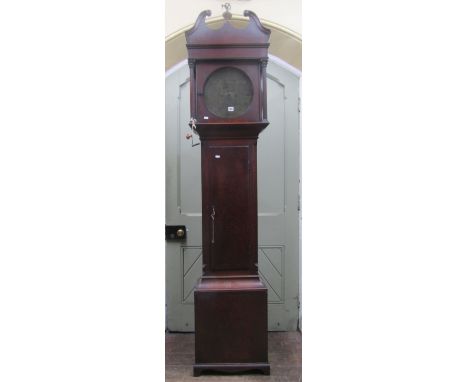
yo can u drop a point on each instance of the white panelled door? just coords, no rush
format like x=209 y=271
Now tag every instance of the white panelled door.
x=278 y=201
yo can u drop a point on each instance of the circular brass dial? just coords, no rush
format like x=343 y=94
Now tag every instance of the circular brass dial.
x=228 y=92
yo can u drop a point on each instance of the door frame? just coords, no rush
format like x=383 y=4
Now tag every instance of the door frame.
x=297 y=73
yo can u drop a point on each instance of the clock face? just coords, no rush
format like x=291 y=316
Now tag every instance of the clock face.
x=228 y=92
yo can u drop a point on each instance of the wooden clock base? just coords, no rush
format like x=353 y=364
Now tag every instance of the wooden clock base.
x=230 y=368
x=231 y=325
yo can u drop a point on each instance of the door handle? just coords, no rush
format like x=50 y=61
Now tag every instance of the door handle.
x=176 y=232
x=213 y=213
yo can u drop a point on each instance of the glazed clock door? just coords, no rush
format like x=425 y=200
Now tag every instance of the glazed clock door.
x=278 y=223
x=227 y=92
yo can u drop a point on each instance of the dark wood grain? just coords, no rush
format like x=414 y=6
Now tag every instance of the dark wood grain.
x=254 y=34
x=230 y=300
x=229 y=187
x=211 y=49
x=223 y=130
x=231 y=325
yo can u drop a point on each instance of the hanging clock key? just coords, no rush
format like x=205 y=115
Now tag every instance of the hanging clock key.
x=193 y=127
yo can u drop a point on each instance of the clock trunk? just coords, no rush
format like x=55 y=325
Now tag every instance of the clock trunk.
x=229 y=202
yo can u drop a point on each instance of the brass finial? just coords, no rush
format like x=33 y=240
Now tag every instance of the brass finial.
x=227 y=15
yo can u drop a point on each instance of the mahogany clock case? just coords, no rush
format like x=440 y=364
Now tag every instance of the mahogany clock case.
x=231 y=325
x=228 y=101
x=243 y=55
x=229 y=189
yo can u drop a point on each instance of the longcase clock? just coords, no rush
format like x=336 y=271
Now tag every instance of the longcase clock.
x=228 y=108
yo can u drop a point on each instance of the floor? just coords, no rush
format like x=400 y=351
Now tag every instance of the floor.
x=284 y=352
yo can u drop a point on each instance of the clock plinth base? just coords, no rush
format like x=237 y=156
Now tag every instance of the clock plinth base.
x=231 y=325
x=231 y=368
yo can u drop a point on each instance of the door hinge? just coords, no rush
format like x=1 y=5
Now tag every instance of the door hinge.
x=299 y=104
x=298 y=202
